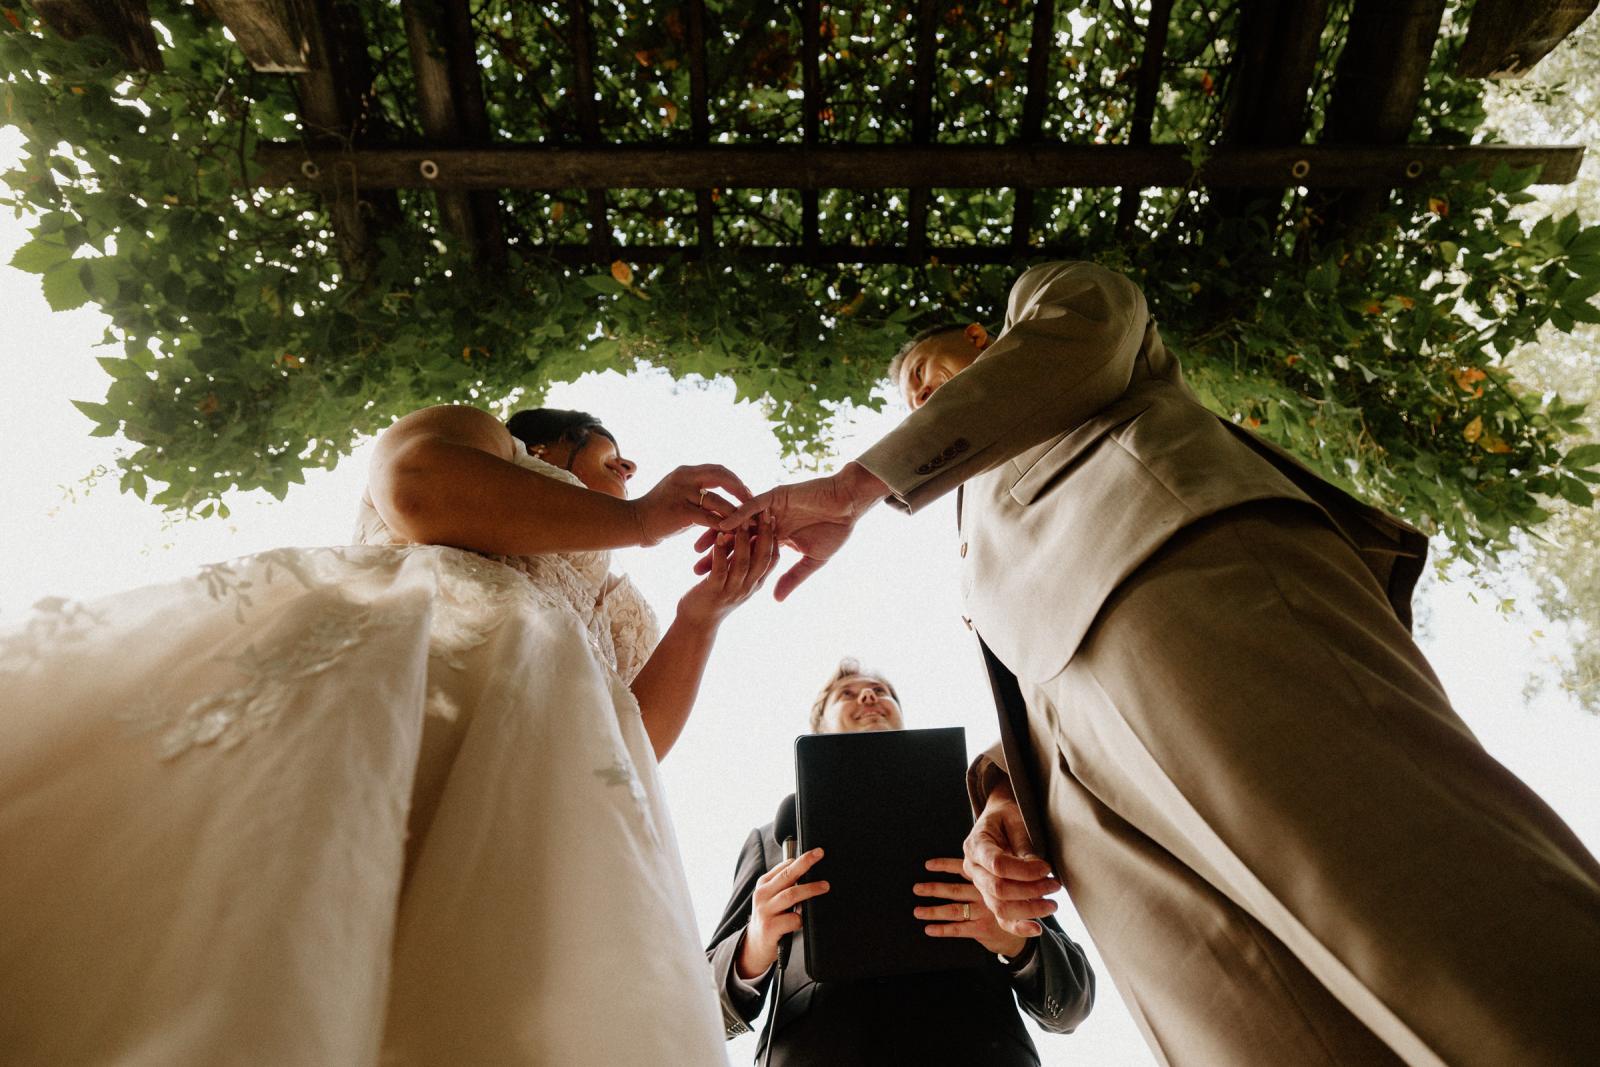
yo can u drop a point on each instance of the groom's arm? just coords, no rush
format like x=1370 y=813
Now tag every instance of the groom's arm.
x=1073 y=333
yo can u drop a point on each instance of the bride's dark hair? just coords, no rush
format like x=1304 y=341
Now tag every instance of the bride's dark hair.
x=551 y=426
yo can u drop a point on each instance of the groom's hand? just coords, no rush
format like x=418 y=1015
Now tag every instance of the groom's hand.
x=999 y=860
x=814 y=517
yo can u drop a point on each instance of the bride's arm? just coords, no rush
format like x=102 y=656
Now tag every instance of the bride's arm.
x=445 y=476
x=669 y=681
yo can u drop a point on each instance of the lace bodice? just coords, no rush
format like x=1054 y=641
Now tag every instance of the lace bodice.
x=622 y=627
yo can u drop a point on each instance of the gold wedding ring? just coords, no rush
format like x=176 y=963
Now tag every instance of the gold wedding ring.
x=966 y=911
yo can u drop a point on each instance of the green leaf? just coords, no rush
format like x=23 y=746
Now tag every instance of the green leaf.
x=1576 y=492
x=604 y=283
x=1583 y=312
x=64 y=288
x=1584 y=456
x=1586 y=243
x=39 y=255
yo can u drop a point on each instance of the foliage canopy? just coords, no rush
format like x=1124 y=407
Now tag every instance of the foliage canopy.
x=248 y=355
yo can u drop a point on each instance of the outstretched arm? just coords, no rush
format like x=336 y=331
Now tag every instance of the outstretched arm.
x=445 y=476
x=1074 y=332
x=1072 y=336
x=667 y=685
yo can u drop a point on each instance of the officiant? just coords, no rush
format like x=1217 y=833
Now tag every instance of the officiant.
x=960 y=1016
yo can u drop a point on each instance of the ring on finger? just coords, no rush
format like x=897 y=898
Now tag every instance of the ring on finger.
x=966 y=911
x=702 y=498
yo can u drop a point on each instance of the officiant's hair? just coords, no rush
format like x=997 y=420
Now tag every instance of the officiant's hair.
x=849 y=667
x=917 y=338
x=550 y=426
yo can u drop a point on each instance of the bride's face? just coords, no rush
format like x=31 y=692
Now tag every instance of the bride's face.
x=600 y=467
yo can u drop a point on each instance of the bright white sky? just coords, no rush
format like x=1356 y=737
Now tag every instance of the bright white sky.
x=891 y=599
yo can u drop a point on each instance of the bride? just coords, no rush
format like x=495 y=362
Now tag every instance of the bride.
x=390 y=803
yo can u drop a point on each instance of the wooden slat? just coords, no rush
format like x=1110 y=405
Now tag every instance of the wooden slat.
x=466 y=76
x=700 y=114
x=125 y=23
x=436 y=106
x=1507 y=37
x=1040 y=52
x=1144 y=101
x=582 y=42
x=1377 y=83
x=886 y=166
x=925 y=26
x=329 y=94
x=1381 y=71
x=811 y=89
x=271 y=33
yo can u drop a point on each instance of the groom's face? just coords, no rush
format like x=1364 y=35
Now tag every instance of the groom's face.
x=932 y=363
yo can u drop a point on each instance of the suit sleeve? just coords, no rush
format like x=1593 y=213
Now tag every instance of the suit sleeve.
x=985 y=773
x=1072 y=335
x=1056 y=986
x=741 y=1000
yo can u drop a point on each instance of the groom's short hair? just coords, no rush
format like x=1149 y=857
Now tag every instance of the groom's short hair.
x=849 y=667
x=916 y=339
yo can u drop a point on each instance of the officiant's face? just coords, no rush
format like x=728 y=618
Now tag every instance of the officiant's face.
x=932 y=363
x=859 y=703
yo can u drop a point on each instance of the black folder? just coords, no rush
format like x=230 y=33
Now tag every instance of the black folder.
x=880 y=805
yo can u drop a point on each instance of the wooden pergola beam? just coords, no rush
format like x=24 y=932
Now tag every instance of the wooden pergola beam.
x=1506 y=38
x=955 y=255
x=811 y=92
x=700 y=114
x=466 y=76
x=450 y=102
x=582 y=42
x=1040 y=51
x=272 y=34
x=125 y=23
x=330 y=105
x=437 y=110
x=925 y=41
x=857 y=166
x=1376 y=85
x=1144 y=101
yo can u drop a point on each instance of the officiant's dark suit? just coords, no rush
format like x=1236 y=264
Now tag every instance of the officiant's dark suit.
x=967 y=1016
x=964 y=1016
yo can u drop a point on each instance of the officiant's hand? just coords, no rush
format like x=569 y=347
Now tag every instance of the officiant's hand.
x=773 y=914
x=813 y=517
x=1001 y=863
x=969 y=916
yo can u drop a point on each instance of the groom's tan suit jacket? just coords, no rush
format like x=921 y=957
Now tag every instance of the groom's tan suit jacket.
x=1082 y=452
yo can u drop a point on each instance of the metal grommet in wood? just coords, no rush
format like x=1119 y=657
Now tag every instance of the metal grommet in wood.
x=1414 y=169
x=428 y=169
x=311 y=170
x=1301 y=168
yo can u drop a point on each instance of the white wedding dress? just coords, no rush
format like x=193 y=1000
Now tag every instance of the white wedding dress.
x=381 y=804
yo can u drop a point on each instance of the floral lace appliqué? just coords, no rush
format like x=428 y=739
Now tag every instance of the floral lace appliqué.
x=270 y=679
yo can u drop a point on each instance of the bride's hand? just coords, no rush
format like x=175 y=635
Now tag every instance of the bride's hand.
x=685 y=498
x=740 y=563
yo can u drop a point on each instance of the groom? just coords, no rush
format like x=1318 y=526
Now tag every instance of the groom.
x=1216 y=724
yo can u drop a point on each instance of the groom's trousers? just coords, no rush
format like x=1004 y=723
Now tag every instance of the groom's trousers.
x=1288 y=847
